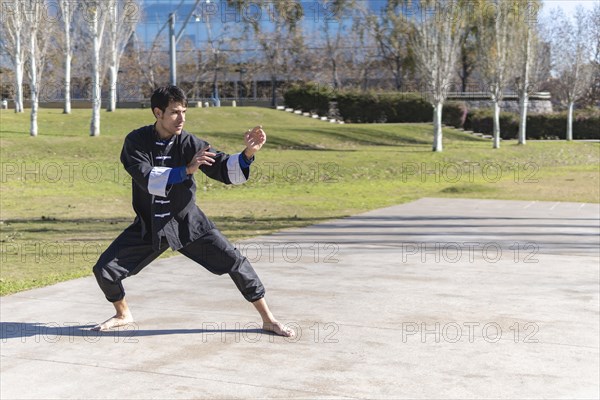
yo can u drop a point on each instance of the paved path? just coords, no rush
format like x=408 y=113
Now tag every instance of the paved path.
x=439 y=298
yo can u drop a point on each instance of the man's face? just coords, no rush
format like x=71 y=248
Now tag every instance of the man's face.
x=172 y=119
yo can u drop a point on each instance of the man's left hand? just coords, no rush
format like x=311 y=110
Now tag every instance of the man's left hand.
x=254 y=138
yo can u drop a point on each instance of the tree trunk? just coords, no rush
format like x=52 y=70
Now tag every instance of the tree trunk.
x=524 y=95
x=112 y=103
x=336 y=79
x=437 y=127
x=33 y=130
x=67 y=108
x=496 y=124
x=570 y=121
x=18 y=77
x=65 y=7
x=523 y=105
x=114 y=62
x=96 y=88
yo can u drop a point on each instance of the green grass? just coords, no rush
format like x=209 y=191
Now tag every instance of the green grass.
x=64 y=195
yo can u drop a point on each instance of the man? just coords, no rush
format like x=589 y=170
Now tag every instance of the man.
x=162 y=159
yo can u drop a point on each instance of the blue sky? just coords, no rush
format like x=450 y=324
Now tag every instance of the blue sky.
x=568 y=6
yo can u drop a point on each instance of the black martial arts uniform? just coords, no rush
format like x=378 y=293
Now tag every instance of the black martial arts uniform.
x=167 y=214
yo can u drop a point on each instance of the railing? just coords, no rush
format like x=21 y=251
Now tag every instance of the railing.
x=486 y=96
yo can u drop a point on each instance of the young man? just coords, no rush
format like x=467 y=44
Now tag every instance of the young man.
x=162 y=159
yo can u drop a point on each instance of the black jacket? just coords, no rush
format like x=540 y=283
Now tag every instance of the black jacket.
x=170 y=211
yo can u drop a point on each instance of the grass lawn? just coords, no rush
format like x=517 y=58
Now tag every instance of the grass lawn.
x=64 y=195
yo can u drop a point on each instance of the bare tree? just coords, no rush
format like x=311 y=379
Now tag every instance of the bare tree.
x=435 y=40
x=95 y=15
x=217 y=57
x=13 y=33
x=365 y=54
x=120 y=22
x=336 y=25
x=496 y=38
x=531 y=60
x=280 y=39
x=468 y=54
x=571 y=56
x=592 y=95
x=36 y=53
x=390 y=29
x=68 y=10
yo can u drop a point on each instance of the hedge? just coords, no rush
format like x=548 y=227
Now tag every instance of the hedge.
x=370 y=107
x=539 y=126
x=309 y=98
x=393 y=108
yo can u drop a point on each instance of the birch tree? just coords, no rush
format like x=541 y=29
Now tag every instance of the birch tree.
x=571 y=57
x=531 y=60
x=68 y=11
x=11 y=39
x=435 y=40
x=95 y=16
x=121 y=20
x=36 y=52
x=496 y=24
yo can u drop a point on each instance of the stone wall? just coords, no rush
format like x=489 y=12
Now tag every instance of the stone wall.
x=535 y=106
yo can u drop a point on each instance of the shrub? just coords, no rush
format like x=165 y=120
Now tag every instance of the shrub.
x=454 y=114
x=395 y=108
x=309 y=97
x=360 y=107
x=539 y=126
x=482 y=121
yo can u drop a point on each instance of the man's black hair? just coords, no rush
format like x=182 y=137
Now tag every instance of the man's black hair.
x=166 y=94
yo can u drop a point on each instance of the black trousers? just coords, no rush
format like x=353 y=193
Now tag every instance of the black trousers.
x=129 y=254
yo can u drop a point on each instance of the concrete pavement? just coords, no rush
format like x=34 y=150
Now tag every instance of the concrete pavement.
x=439 y=298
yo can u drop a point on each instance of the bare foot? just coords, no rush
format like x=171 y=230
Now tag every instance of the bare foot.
x=279 y=329
x=114 y=322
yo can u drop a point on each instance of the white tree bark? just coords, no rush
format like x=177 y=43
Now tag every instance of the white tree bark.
x=96 y=18
x=12 y=37
x=435 y=39
x=524 y=89
x=496 y=37
x=571 y=55
x=67 y=19
x=113 y=68
x=523 y=106
x=120 y=28
x=570 y=121
x=36 y=51
x=33 y=129
x=437 y=127
x=496 y=137
x=96 y=82
x=19 y=65
x=67 y=88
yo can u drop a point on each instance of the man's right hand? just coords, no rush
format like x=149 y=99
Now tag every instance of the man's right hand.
x=203 y=157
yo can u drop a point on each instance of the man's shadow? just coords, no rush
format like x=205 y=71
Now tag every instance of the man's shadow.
x=53 y=332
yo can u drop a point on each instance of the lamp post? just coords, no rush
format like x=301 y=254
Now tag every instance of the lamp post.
x=174 y=38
